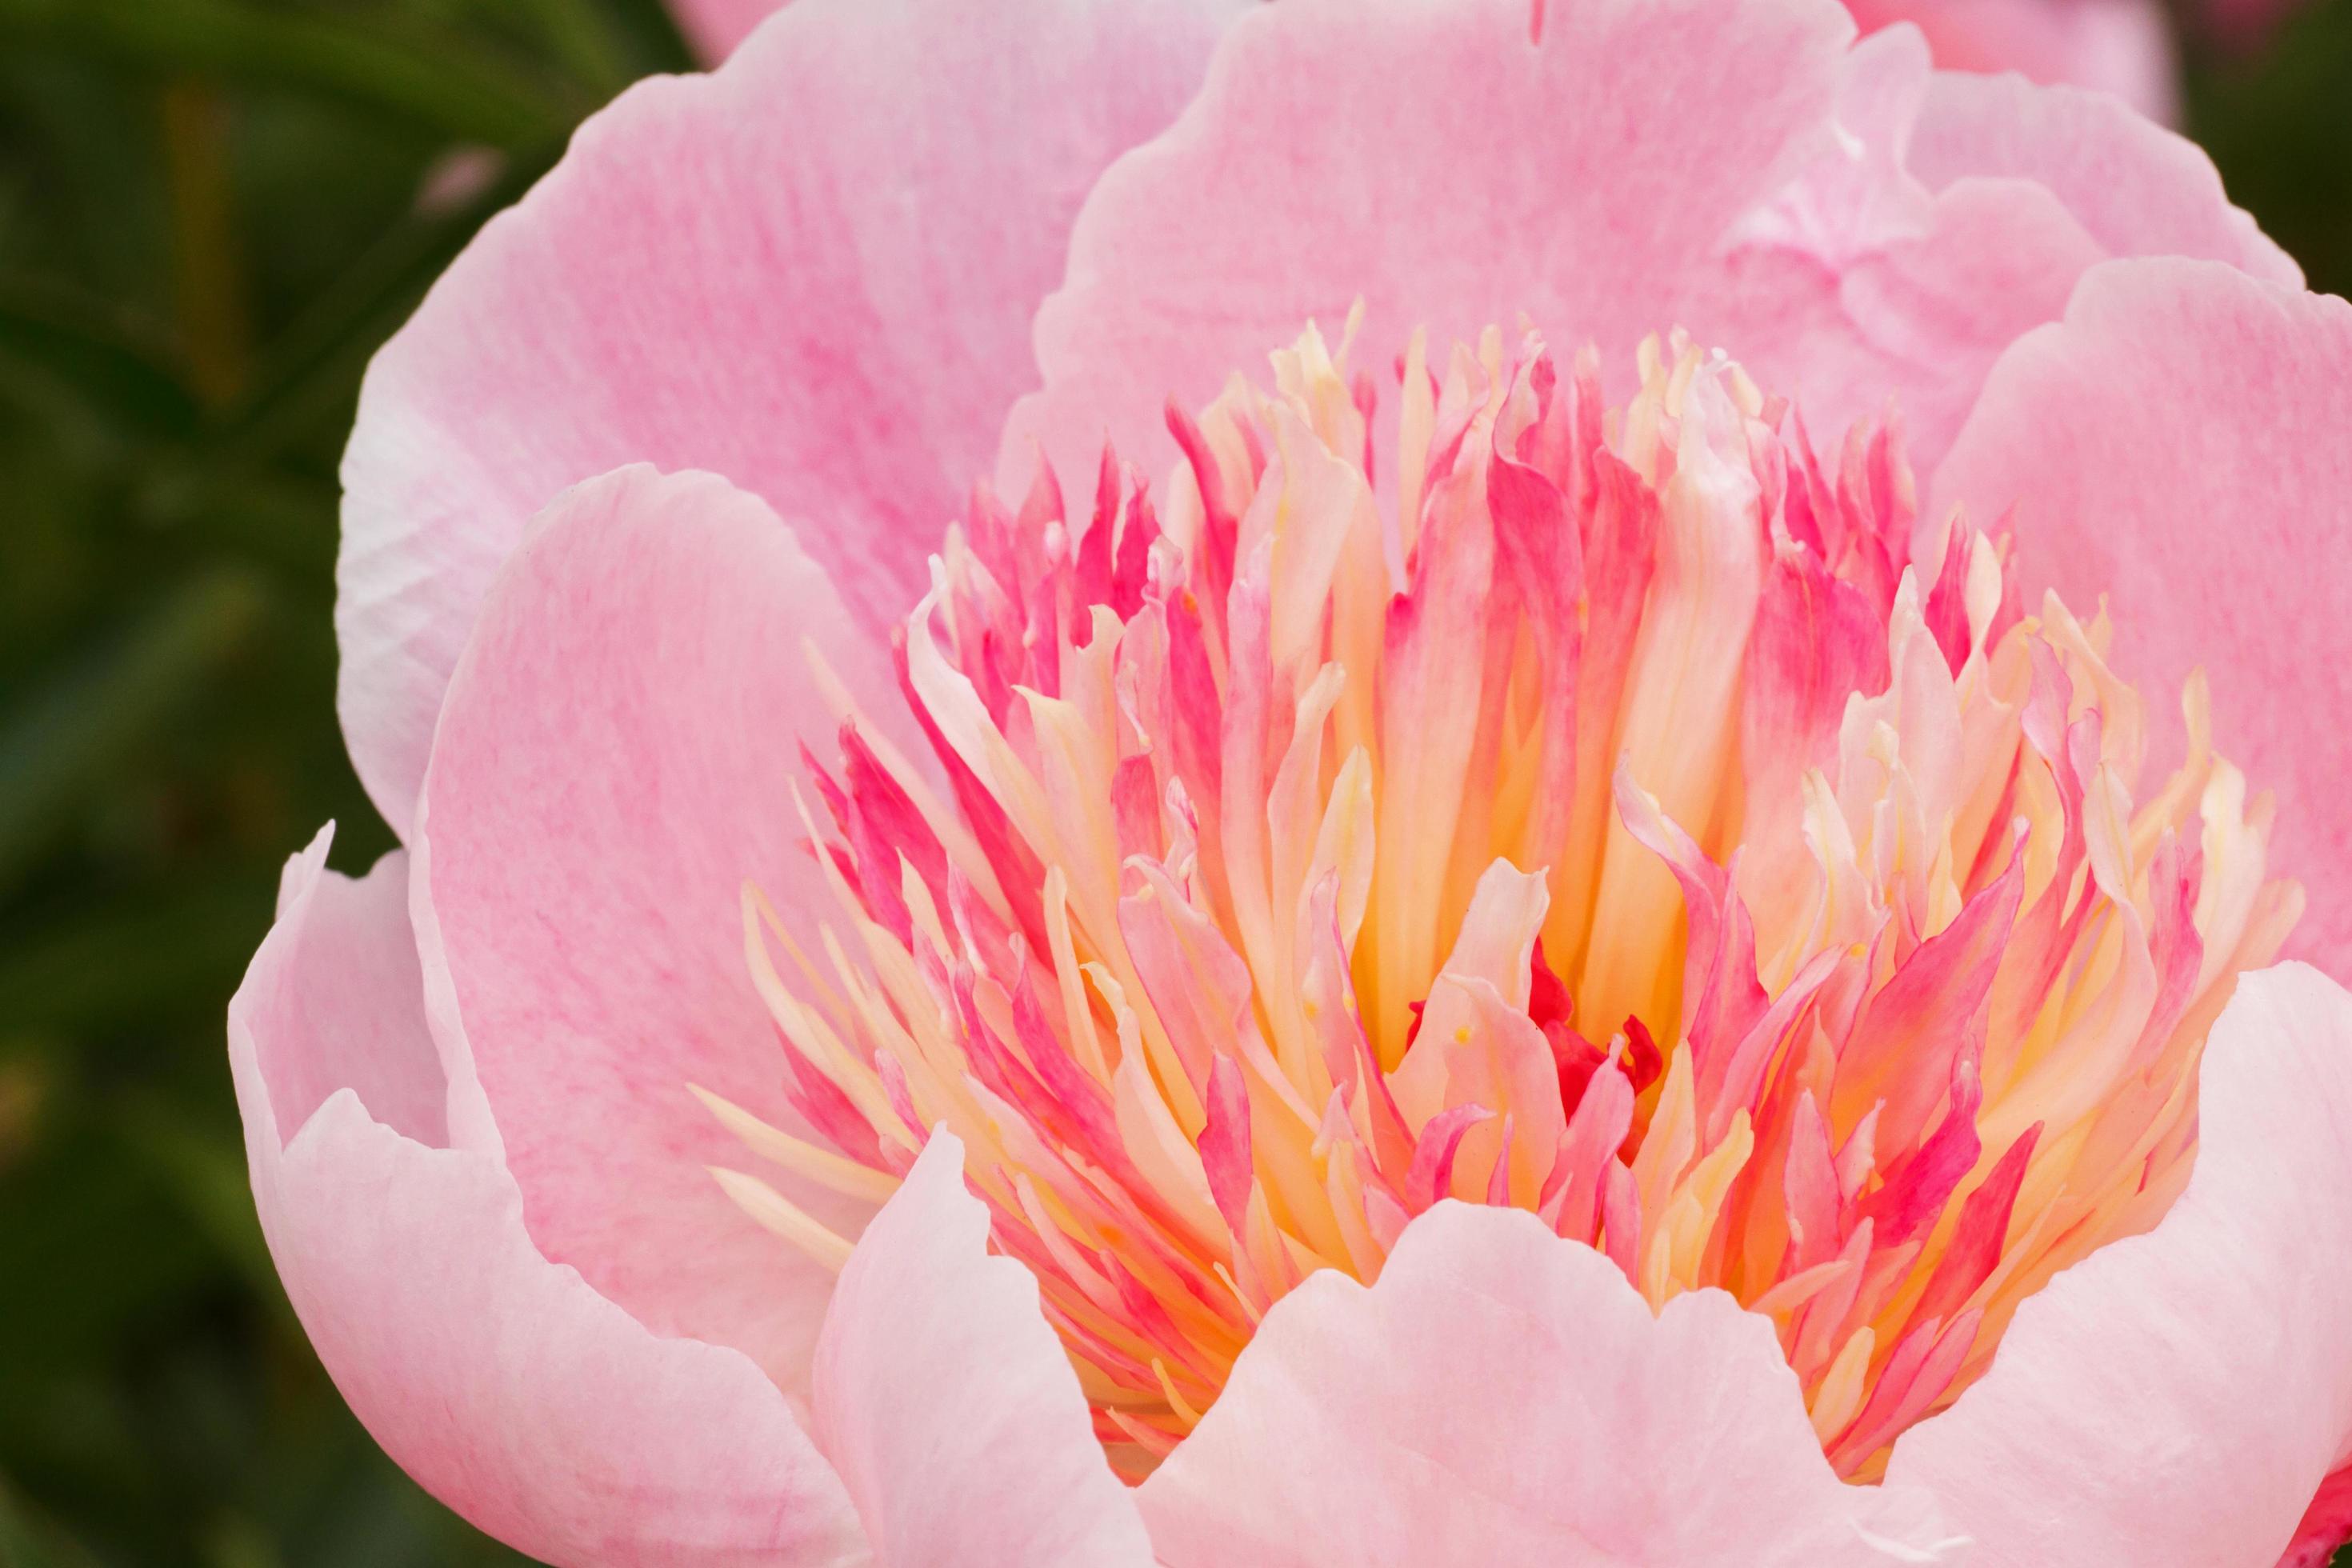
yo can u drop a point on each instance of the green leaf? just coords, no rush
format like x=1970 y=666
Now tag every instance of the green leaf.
x=586 y=40
x=312 y=371
x=128 y=960
x=206 y=1175
x=468 y=97
x=660 y=47
x=27 y=1540
x=64 y=360
x=85 y=720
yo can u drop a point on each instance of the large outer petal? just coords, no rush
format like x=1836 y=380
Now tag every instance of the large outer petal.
x=617 y=756
x=1731 y=167
x=499 y=1380
x=813 y=271
x=1502 y=1395
x=2121 y=47
x=2176 y=1398
x=949 y=1405
x=2182 y=443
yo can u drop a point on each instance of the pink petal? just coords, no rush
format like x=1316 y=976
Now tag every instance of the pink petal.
x=1504 y=1396
x=948 y=1403
x=501 y=1381
x=616 y=760
x=2177 y=444
x=715 y=26
x=2177 y=1397
x=365 y=1032
x=813 y=271
x=2137 y=188
x=2121 y=47
x=1436 y=162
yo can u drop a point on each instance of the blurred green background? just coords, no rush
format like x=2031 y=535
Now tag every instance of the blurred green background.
x=211 y=212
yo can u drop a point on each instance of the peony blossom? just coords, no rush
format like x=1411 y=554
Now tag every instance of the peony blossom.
x=2122 y=46
x=1361 y=782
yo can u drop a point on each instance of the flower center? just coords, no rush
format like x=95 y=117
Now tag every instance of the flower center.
x=1610 y=815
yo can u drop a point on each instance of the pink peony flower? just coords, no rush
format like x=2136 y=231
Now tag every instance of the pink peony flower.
x=2122 y=46
x=1545 y=876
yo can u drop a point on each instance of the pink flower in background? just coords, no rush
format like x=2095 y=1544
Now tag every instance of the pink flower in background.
x=1355 y=782
x=716 y=26
x=2246 y=23
x=2122 y=46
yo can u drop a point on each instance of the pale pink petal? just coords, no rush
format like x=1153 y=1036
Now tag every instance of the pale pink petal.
x=948 y=1405
x=1504 y=1396
x=813 y=271
x=2120 y=47
x=715 y=26
x=365 y=1032
x=498 y=1380
x=1453 y=172
x=1434 y=161
x=2178 y=444
x=2177 y=1397
x=2137 y=188
x=617 y=758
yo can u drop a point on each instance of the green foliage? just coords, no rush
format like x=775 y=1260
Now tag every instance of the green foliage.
x=209 y=219
x=2276 y=124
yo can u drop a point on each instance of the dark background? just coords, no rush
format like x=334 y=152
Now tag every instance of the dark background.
x=210 y=215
